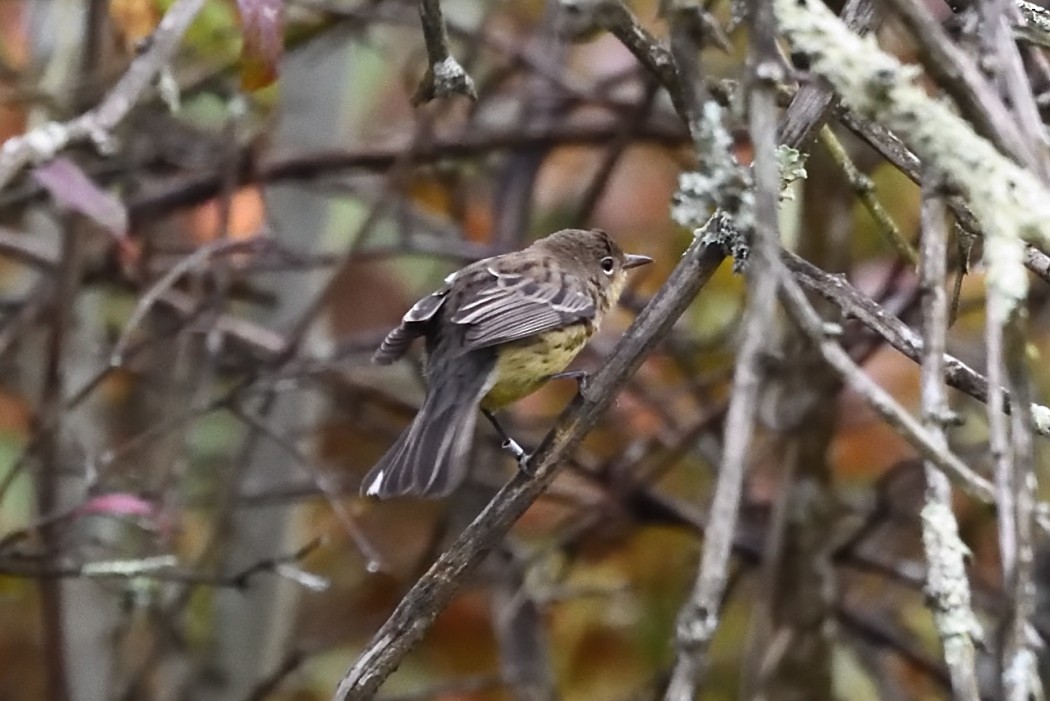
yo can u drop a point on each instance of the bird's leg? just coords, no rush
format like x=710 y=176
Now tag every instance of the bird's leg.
x=509 y=444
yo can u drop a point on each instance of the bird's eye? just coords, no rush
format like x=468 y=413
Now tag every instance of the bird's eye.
x=608 y=264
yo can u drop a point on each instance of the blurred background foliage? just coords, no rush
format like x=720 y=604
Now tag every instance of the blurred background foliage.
x=219 y=455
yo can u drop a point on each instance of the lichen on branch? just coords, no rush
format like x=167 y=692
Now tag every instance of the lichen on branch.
x=1008 y=200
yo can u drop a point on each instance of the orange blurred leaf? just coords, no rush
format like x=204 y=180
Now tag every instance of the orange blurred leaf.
x=134 y=19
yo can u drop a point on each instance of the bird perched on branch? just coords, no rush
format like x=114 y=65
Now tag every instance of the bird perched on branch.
x=495 y=332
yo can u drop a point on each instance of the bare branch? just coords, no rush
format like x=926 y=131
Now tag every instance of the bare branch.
x=865 y=191
x=947 y=585
x=699 y=616
x=813 y=100
x=876 y=397
x=476 y=142
x=898 y=334
x=164 y=284
x=961 y=77
x=445 y=77
x=47 y=140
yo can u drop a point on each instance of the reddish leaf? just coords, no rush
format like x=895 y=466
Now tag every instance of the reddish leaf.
x=117 y=504
x=262 y=22
x=72 y=188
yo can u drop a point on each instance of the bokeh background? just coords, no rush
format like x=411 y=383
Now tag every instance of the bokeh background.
x=187 y=405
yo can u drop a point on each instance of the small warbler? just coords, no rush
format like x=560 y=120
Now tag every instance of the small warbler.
x=495 y=332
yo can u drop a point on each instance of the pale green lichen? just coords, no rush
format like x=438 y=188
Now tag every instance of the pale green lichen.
x=1035 y=23
x=717 y=201
x=719 y=182
x=947 y=584
x=792 y=163
x=1008 y=200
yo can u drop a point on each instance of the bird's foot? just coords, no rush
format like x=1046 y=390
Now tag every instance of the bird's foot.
x=509 y=444
x=514 y=448
x=582 y=377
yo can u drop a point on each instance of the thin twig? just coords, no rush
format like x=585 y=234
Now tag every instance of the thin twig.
x=445 y=77
x=894 y=331
x=699 y=616
x=947 y=587
x=615 y=17
x=864 y=188
x=146 y=302
x=877 y=398
x=96 y=125
x=319 y=475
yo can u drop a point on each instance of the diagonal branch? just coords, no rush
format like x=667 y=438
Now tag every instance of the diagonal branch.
x=855 y=304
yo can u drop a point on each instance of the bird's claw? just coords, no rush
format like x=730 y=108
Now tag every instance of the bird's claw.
x=582 y=377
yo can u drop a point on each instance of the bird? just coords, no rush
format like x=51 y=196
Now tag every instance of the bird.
x=494 y=332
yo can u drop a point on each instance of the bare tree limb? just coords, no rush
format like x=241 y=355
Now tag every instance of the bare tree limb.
x=187 y=190
x=699 y=616
x=876 y=397
x=615 y=17
x=948 y=587
x=49 y=455
x=1015 y=481
x=813 y=101
x=962 y=79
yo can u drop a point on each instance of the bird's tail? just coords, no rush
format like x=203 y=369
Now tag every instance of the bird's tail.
x=431 y=457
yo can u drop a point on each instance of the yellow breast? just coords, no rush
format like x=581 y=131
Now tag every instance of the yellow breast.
x=522 y=367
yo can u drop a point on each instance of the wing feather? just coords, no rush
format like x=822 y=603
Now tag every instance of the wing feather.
x=413 y=325
x=507 y=308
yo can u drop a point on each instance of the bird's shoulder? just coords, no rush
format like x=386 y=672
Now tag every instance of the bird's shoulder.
x=518 y=279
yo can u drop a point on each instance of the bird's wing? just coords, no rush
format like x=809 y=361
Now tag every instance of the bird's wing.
x=506 y=306
x=413 y=324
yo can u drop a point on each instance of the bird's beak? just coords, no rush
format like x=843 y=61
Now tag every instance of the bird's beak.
x=633 y=261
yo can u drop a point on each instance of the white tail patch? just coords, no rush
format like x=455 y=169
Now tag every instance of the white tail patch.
x=376 y=485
